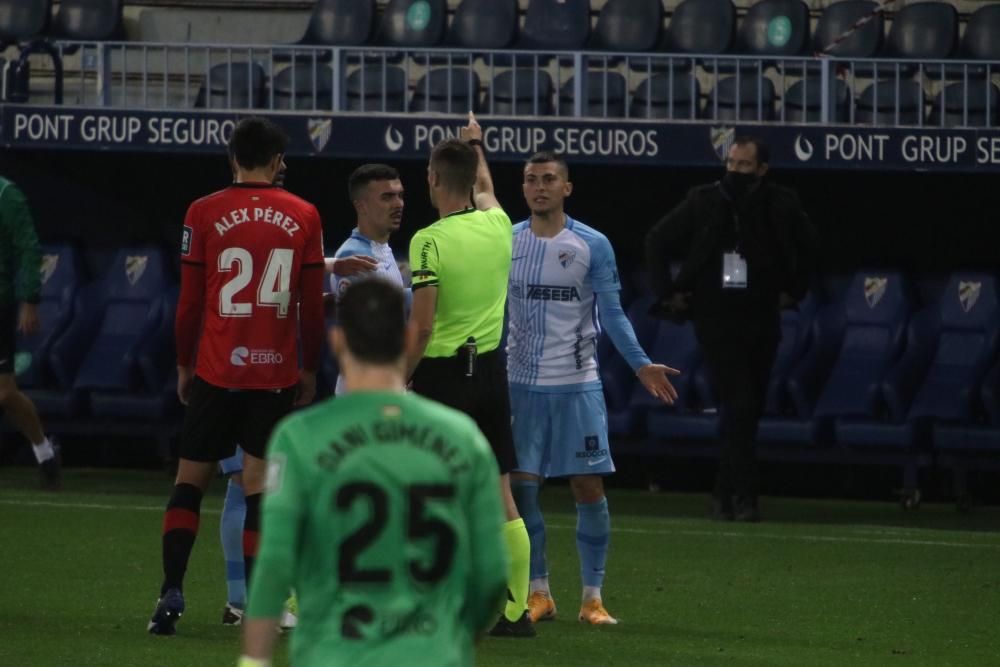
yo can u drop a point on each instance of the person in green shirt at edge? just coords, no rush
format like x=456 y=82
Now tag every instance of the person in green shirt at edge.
x=460 y=268
x=20 y=279
x=380 y=511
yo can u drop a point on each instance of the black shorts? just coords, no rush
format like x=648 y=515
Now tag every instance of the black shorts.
x=217 y=419
x=483 y=397
x=8 y=338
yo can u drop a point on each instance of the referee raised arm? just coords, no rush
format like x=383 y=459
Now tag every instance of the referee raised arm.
x=461 y=264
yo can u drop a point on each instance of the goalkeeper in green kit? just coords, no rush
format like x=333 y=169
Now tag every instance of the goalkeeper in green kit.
x=380 y=511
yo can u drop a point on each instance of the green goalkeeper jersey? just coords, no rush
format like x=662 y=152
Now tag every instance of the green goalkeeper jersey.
x=383 y=512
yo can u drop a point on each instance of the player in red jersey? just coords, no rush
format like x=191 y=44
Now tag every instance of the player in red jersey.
x=251 y=282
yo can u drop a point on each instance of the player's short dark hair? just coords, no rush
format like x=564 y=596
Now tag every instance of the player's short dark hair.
x=367 y=173
x=255 y=141
x=544 y=157
x=372 y=315
x=763 y=151
x=456 y=162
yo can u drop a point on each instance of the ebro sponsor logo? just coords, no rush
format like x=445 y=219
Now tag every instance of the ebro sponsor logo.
x=242 y=356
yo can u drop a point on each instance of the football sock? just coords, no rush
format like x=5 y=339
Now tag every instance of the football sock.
x=519 y=554
x=180 y=527
x=251 y=534
x=43 y=451
x=231 y=535
x=525 y=494
x=593 y=529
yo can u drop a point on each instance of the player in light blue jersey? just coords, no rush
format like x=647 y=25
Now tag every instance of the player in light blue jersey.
x=377 y=195
x=563 y=292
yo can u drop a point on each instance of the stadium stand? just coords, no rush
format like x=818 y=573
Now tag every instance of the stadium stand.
x=89 y=20
x=447 y=90
x=484 y=24
x=304 y=86
x=674 y=95
x=520 y=91
x=629 y=25
x=376 y=88
x=234 y=85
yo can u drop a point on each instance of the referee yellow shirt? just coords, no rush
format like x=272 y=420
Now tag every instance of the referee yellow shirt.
x=466 y=255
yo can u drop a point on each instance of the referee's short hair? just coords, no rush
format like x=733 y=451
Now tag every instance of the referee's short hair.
x=456 y=163
x=367 y=173
x=255 y=141
x=372 y=315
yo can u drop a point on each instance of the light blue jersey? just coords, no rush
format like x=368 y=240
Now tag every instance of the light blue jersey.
x=359 y=244
x=552 y=306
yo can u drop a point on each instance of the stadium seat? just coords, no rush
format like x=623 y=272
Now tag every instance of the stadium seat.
x=838 y=20
x=484 y=24
x=879 y=103
x=129 y=313
x=629 y=25
x=803 y=101
x=303 y=86
x=677 y=346
x=751 y=99
x=857 y=341
x=604 y=92
x=22 y=20
x=972 y=103
x=376 y=88
x=520 y=92
x=701 y=27
x=89 y=20
x=773 y=28
x=62 y=277
x=452 y=90
x=665 y=96
x=232 y=86
x=556 y=25
x=340 y=23
x=923 y=31
x=618 y=378
x=981 y=41
x=413 y=23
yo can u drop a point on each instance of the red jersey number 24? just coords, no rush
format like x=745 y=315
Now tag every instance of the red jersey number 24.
x=273 y=291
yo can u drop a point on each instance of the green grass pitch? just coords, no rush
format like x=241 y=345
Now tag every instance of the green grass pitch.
x=818 y=583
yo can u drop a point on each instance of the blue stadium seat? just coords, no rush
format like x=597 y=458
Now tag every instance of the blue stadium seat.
x=702 y=27
x=413 y=23
x=971 y=103
x=22 y=20
x=604 y=95
x=452 y=90
x=980 y=435
x=520 y=92
x=303 y=86
x=857 y=342
x=880 y=102
x=655 y=95
x=62 y=278
x=89 y=20
x=376 y=88
x=774 y=29
x=129 y=313
x=238 y=85
x=629 y=25
x=340 y=23
x=866 y=41
x=677 y=346
x=979 y=42
x=484 y=24
x=557 y=25
x=923 y=31
x=750 y=99
x=803 y=101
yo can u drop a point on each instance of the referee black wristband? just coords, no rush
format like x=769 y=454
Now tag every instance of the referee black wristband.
x=476 y=142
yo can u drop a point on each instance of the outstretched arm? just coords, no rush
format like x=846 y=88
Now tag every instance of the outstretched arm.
x=482 y=191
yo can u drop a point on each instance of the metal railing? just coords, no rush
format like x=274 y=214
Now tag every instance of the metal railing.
x=592 y=84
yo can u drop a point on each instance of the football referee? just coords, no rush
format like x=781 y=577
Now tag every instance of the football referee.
x=461 y=264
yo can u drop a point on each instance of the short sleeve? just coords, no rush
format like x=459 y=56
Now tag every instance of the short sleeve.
x=603 y=269
x=192 y=238
x=424 y=260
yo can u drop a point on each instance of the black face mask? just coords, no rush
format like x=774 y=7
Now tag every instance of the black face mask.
x=738 y=184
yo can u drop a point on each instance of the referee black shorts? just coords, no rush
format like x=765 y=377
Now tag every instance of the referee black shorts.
x=217 y=419
x=483 y=397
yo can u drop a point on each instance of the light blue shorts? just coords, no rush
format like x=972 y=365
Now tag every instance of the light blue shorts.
x=561 y=435
x=233 y=464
